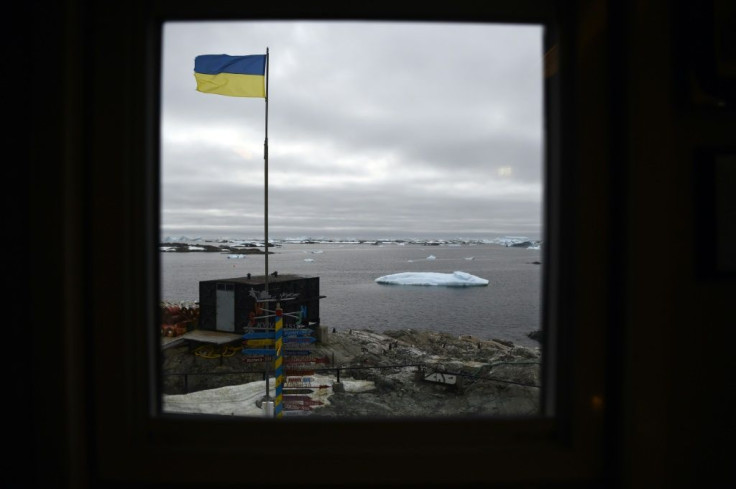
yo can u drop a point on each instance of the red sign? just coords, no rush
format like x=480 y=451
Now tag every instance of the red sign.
x=296 y=407
x=295 y=397
x=303 y=402
x=298 y=372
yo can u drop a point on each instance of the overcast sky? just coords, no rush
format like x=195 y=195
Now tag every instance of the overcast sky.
x=375 y=130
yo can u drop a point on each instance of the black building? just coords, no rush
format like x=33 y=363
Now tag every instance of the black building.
x=232 y=304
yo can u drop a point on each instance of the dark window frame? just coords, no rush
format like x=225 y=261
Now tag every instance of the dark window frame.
x=133 y=442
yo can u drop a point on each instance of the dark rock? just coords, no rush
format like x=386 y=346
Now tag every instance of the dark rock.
x=536 y=335
x=499 y=379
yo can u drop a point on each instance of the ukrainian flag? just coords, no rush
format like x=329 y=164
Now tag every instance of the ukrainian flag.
x=235 y=76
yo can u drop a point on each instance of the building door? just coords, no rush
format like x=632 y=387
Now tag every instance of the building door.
x=225 y=308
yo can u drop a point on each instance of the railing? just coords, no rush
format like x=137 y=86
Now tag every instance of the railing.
x=421 y=367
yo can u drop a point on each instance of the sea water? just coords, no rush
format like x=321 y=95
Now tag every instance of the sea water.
x=508 y=308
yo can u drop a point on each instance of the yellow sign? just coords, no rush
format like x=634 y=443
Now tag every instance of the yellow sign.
x=265 y=342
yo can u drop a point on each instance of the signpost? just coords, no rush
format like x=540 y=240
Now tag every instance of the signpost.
x=290 y=346
x=278 y=361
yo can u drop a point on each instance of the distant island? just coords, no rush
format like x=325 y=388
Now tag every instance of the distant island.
x=207 y=248
x=188 y=244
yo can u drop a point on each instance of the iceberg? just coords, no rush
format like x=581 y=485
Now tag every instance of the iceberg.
x=454 y=279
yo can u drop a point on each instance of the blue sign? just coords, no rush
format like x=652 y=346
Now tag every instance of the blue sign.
x=297 y=332
x=259 y=336
x=259 y=351
x=299 y=339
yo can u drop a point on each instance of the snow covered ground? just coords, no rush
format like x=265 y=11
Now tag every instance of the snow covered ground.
x=240 y=400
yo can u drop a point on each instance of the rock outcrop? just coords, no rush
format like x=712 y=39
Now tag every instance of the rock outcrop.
x=414 y=373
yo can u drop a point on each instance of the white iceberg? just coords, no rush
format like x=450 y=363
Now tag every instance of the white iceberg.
x=454 y=279
x=431 y=257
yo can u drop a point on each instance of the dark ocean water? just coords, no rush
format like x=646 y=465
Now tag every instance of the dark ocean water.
x=508 y=308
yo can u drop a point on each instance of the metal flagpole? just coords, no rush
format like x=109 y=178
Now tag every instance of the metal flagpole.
x=265 y=219
x=265 y=177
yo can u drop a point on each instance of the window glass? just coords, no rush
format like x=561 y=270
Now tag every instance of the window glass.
x=351 y=219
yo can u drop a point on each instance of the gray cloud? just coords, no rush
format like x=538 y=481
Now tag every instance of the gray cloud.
x=374 y=129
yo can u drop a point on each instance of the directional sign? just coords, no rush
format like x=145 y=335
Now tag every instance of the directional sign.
x=300 y=346
x=297 y=390
x=297 y=332
x=258 y=335
x=299 y=372
x=265 y=342
x=300 y=367
x=298 y=384
x=297 y=352
x=309 y=402
x=296 y=412
x=299 y=339
x=295 y=397
x=255 y=359
x=259 y=351
x=296 y=407
x=307 y=360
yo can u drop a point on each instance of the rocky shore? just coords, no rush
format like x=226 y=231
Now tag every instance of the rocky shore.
x=409 y=373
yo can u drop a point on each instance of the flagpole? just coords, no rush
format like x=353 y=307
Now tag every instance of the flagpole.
x=265 y=177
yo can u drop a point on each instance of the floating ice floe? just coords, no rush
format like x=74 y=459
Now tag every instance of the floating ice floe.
x=431 y=257
x=309 y=259
x=231 y=257
x=454 y=279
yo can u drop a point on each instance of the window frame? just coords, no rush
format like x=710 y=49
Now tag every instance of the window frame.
x=132 y=442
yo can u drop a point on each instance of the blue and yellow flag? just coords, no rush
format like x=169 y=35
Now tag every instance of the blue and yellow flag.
x=235 y=76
